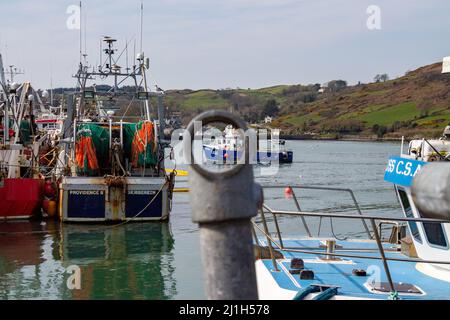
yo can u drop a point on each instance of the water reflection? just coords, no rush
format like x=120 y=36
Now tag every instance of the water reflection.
x=132 y=261
x=142 y=261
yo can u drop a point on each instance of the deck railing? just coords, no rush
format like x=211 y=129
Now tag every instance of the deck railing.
x=371 y=218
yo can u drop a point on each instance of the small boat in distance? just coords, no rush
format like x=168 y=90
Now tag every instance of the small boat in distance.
x=229 y=145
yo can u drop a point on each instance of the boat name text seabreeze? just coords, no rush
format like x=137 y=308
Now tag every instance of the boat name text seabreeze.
x=142 y=192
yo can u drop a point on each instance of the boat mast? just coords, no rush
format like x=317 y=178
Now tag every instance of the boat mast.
x=81 y=36
x=2 y=72
x=144 y=63
x=4 y=97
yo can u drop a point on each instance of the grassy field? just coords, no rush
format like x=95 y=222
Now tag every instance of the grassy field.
x=413 y=103
x=203 y=100
x=387 y=116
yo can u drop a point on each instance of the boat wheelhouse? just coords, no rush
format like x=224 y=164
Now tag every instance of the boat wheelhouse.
x=431 y=241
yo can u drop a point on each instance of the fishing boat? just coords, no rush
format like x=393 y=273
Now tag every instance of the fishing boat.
x=21 y=182
x=412 y=262
x=229 y=146
x=114 y=169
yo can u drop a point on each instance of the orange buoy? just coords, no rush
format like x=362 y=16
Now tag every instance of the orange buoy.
x=51 y=210
x=45 y=204
x=288 y=192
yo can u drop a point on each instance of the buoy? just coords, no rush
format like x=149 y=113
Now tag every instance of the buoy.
x=45 y=204
x=51 y=211
x=288 y=192
x=49 y=190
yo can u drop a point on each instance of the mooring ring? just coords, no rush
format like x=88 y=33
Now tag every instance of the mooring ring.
x=205 y=118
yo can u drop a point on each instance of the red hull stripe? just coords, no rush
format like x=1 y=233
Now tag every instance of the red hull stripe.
x=20 y=198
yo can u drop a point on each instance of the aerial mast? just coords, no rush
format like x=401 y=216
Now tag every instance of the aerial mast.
x=81 y=37
x=142 y=22
x=2 y=71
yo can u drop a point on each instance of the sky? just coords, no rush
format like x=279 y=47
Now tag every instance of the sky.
x=230 y=43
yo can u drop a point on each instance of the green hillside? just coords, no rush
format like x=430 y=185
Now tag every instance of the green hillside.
x=415 y=104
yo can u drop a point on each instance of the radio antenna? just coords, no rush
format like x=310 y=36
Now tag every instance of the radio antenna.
x=126 y=48
x=85 y=35
x=134 y=52
x=81 y=37
x=142 y=21
x=101 y=53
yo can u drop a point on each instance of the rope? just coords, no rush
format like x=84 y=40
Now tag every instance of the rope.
x=327 y=294
x=301 y=295
x=145 y=208
x=323 y=295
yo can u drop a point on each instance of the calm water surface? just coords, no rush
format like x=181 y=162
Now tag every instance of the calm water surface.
x=161 y=260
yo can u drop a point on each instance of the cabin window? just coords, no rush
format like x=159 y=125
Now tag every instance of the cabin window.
x=434 y=233
x=408 y=212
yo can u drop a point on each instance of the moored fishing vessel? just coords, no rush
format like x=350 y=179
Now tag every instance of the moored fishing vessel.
x=414 y=267
x=229 y=145
x=114 y=168
x=329 y=267
x=21 y=184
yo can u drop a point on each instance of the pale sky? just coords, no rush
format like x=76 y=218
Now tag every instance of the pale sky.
x=230 y=43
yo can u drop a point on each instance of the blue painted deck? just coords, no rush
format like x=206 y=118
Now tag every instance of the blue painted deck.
x=340 y=274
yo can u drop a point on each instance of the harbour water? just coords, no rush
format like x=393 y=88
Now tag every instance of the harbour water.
x=162 y=260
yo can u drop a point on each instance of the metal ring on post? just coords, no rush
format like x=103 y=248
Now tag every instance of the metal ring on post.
x=205 y=118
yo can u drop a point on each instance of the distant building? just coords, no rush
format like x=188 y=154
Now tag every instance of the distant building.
x=323 y=88
x=267 y=119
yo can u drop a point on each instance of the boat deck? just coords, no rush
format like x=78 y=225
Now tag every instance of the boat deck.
x=339 y=272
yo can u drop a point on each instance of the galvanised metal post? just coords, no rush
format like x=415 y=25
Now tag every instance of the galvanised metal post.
x=223 y=204
x=431 y=190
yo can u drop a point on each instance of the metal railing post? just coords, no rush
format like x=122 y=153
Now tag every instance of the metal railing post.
x=383 y=256
x=360 y=213
x=223 y=204
x=269 y=243
x=299 y=209
x=277 y=227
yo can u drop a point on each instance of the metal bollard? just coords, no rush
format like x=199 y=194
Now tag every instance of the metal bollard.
x=431 y=190
x=223 y=204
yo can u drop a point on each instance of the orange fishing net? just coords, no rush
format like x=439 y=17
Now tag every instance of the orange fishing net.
x=85 y=153
x=143 y=138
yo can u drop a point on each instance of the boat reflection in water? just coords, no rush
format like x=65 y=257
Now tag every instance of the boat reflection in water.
x=131 y=261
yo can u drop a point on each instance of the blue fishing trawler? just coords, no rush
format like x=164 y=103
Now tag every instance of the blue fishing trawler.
x=411 y=263
x=229 y=148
